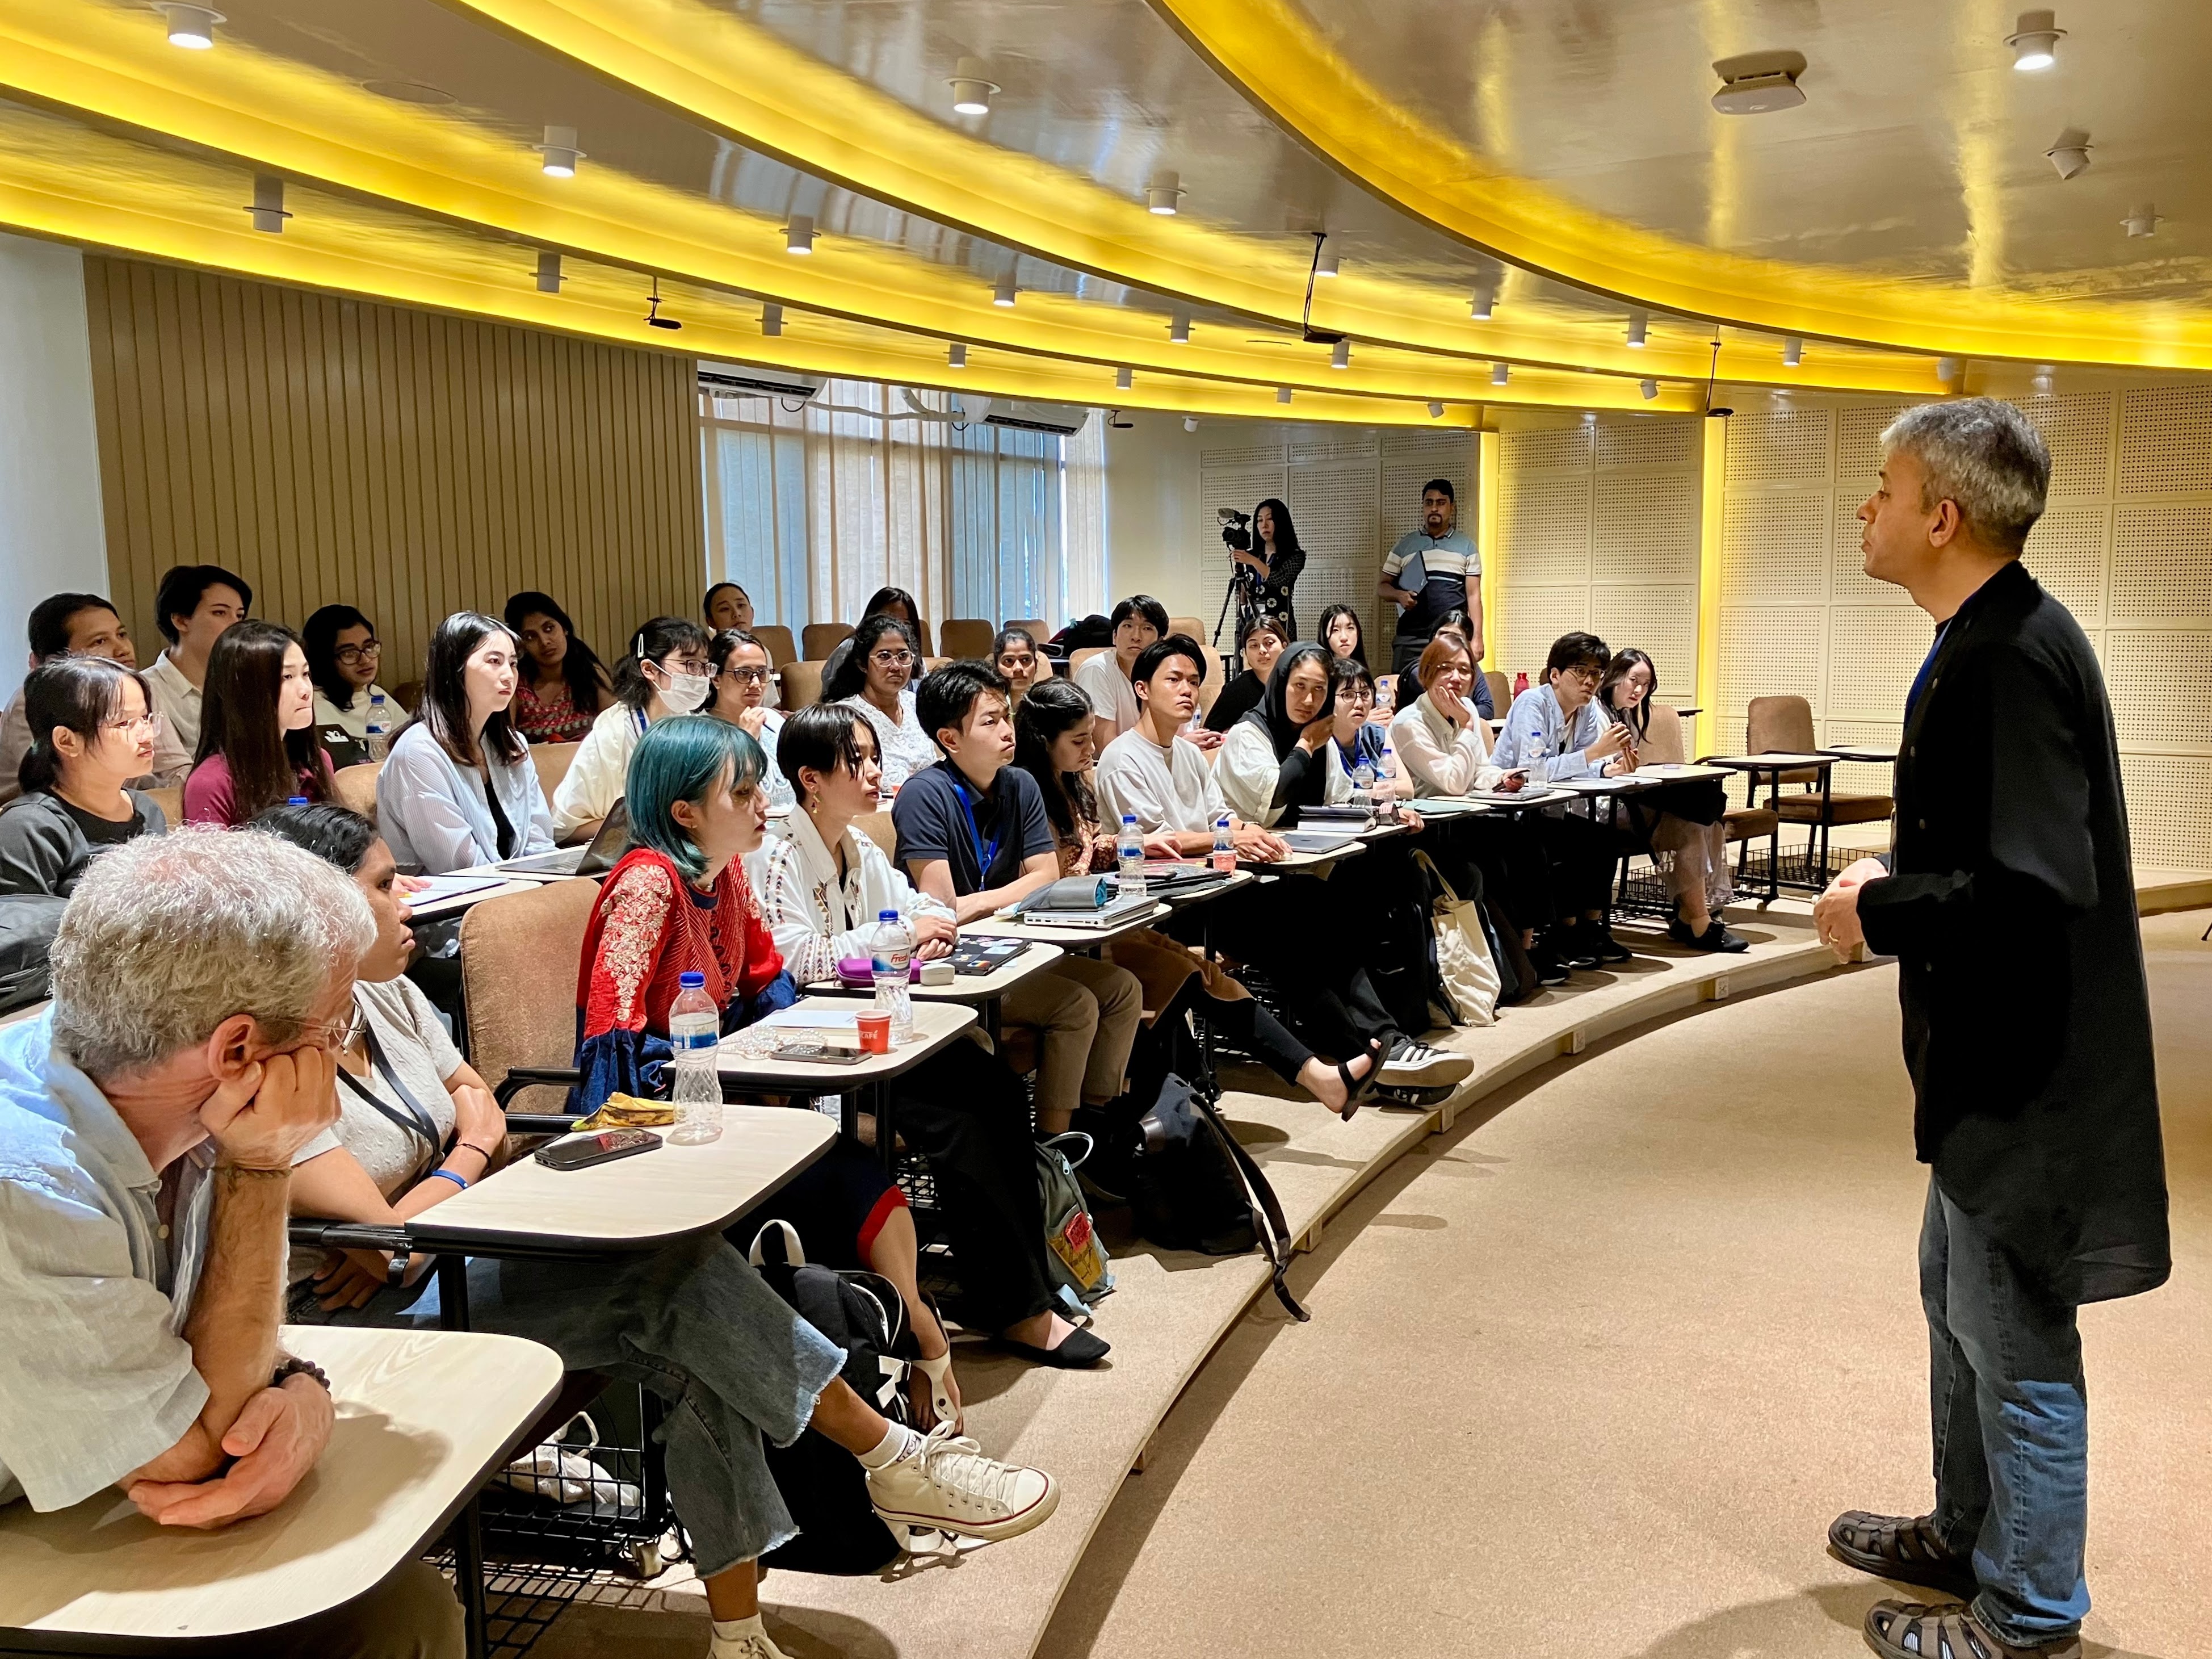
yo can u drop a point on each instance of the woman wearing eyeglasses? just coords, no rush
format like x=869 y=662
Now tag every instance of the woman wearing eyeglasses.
x=92 y=732
x=742 y=691
x=876 y=678
x=344 y=655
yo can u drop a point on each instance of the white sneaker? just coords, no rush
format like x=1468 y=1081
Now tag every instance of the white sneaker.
x=946 y=1483
x=745 y=1647
x=1416 y=1066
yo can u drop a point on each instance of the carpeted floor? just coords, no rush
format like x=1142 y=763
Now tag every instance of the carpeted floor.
x=1588 y=1377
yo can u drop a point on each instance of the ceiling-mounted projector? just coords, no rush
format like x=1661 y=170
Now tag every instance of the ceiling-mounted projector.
x=1758 y=82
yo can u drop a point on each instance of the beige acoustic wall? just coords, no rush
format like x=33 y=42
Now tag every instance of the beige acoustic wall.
x=408 y=462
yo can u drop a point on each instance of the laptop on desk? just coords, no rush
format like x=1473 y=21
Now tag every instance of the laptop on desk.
x=595 y=858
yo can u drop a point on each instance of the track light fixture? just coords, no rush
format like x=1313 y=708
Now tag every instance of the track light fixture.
x=191 y=27
x=2070 y=154
x=2142 y=222
x=971 y=89
x=1282 y=394
x=1004 y=293
x=771 y=319
x=1124 y=379
x=1649 y=388
x=1190 y=423
x=1638 y=326
x=798 y=233
x=548 y=272
x=1163 y=196
x=1793 y=352
x=1485 y=299
x=956 y=356
x=653 y=317
x=1947 y=369
x=268 y=209
x=1435 y=410
x=558 y=154
x=2043 y=380
x=1340 y=355
x=1325 y=260
x=2034 y=42
x=1499 y=374
x=1179 y=329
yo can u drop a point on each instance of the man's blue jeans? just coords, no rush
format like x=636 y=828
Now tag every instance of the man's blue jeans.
x=2011 y=1415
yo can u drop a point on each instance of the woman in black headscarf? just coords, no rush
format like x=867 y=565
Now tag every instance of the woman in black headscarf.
x=1279 y=757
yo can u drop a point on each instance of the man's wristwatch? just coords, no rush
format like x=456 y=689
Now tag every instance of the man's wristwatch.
x=292 y=1366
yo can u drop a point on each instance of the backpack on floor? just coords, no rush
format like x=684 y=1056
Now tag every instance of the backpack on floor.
x=1402 y=958
x=823 y=1485
x=1073 y=1251
x=1198 y=1189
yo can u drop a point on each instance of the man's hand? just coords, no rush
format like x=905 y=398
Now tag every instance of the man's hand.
x=274 y=1107
x=1612 y=741
x=1255 y=845
x=1401 y=598
x=1203 y=739
x=1836 y=912
x=1163 y=844
x=276 y=1440
x=932 y=935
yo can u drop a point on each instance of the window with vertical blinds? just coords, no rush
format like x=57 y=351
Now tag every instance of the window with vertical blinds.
x=812 y=507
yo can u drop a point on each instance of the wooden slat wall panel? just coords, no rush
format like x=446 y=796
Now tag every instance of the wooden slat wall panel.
x=332 y=450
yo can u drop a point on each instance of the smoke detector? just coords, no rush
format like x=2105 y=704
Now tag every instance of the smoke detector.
x=1758 y=82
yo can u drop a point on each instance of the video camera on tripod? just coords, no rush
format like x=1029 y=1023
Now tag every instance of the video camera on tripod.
x=1235 y=528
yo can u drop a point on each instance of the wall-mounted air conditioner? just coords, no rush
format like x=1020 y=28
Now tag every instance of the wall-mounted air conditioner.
x=733 y=381
x=1066 y=419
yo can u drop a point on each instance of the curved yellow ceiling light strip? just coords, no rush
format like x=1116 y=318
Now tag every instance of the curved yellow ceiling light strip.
x=1272 y=51
x=281 y=116
x=741 y=81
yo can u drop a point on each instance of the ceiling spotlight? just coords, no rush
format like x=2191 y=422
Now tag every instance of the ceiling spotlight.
x=1639 y=325
x=2070 y=154
x=1793 y=352
x=1435 y=411
x=1163 y=196
x=1947 y=369
x=956 y=356
x=971 y=92
x=191 y=27
x=2142 y=221
x=559 y=153
x=1340 y=355
x=1282 y=394
x=549 y=272
x=2034 y=42
x=1179 y=329
x=798 y=233
x=1190 y=423
x=1003 y=294
x=653 y=317
x=1325 y=258
x=1649 y=388
x=2043 y=380
x=1124 y=379
x=1499 y=374
x=771 y=319
x=1758 y=82
x=268 y=209
x=1485 y=299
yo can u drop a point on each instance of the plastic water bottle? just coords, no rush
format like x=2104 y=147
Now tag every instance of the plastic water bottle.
x=891 y=948
x=1386 y=807
x=1129 y=846
x=1363 y=783
x=378 y=740
x=1224 y=846
x=1520 y=682
x=694 y=1030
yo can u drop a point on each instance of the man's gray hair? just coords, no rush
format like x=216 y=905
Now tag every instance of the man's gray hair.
x=168 y=936
x=1983 y=455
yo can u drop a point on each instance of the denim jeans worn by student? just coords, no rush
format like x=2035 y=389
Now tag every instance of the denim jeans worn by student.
x=692 y=1321
x=2011 y=1417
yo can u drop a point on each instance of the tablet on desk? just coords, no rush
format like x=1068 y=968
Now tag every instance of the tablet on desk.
x=980 y=957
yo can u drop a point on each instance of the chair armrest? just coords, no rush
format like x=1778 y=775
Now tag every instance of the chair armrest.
x=534 y=1076
x=541 y=1123
x=318 y=1233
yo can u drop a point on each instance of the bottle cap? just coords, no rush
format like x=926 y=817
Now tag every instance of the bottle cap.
x=1128 y=817
x=691 y=980
x=375 y=698
x=295 y=800
x=886 y=915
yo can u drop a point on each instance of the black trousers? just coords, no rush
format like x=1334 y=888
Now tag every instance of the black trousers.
x=1302 y=932
x=1582 y=854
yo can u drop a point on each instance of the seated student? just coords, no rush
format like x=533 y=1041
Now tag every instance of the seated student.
x=63 y=624
x=742 y=684
x=258 y=742
x=894 y=602
x=1014 y=653
x=1360 y=738
x=1555 y=731
x=1053 y=745
x=1263 y=643
x=193 y=605
x=459 y=789
x=1136 y=623
x=563 y=686
x=1682 y=820
x=1171 y=792
x=1281 y=755
x=1342 y=632
x=151 y=1116
x=95 y=729
x=666 y=672
x=342 y=656
x=875 y=681
x=1460 y=626
x=972 y=834
x=680 y=902
x=726 y=606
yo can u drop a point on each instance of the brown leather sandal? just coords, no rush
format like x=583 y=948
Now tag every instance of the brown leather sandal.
x=1914 y=1629
x=1906 y=1547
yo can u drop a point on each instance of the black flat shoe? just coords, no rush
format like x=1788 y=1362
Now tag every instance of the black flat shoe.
x=1550 y=970
x=1715 y=937
x=1609 y=948
x=1573 y=946
x=1079 y=1349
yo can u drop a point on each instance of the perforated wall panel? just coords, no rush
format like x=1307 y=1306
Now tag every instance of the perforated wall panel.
x=1859 y=450
x=1873 y=654
x=1532 y=617
x=2066 y=553
x=1848 y=582
x=1544 y=519
x=1664 y=443
x=1238 y=478
x=2150 y=706
x=1661 y=622
x=1786 y=449
x=1774 y=549
x=1772 y=653
x=2077 y=429
x=1643 y=527
x=1334 y=504
x=2166 y=440
x=2169 y=810
x=2162 y=562
x=1546 y=449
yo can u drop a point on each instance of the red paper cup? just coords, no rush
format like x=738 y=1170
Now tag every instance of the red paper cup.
x=875 y=1033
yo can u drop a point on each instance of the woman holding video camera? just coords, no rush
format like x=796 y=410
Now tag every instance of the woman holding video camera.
x=1266 y=561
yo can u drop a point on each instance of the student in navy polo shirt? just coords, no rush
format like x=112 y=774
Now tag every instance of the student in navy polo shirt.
x=972 y=832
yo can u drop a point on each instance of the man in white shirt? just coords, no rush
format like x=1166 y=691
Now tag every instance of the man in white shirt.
x=195 y=604
x=1105 y=679
x=1452 y=582
x=66 y=624
x=1169 y=786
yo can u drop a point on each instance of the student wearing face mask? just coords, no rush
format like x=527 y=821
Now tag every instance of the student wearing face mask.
x=667 y=672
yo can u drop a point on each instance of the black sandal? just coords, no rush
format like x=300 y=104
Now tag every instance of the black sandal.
x=1901 y=1547
x=1357 y=1089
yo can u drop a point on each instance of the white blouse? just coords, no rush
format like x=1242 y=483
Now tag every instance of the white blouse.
x=1248 y=771
x=816 y=919
x=901 y=749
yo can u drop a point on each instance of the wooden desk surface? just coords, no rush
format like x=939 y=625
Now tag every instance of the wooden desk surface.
x=634 y=1203
x=1075 y=939
x=1680 y=772
x=1297 y=861
x=423 y=1416
x=1780 y=760
x=935 y=1024
x=969 y=987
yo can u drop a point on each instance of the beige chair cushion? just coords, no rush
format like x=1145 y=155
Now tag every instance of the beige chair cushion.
x=1781 y=726
x=170 y=798
x=877 y=827
x=552 y=761
x=1189 y=625
x=1747 y=824
x=968 y=636
x=520 y=959
x=802 y=684
x=818 y=640
x=776 y=641
x=355 y=789
x=1501 y=691
x=1663 y=744
x=1038 y=628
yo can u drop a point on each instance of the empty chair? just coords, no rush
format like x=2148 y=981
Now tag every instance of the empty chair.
x=1189 y=625
x=1036 y=627
x=1501 y=699
x=1784 y=724
x=518 y=958
x=552 y=761
x=802 y=685
x=776 y=641
x=967 y=636
x=407 y=694
x=355 y=789
x=818 y=640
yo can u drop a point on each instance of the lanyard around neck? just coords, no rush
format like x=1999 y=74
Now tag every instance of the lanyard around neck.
x=987 y=852
x=415 y=1121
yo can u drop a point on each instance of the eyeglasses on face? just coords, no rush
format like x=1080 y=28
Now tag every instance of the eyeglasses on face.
x=353 y=653
x=334 y=1033
x=892 y=658
x=746 y=676
x=147 y=725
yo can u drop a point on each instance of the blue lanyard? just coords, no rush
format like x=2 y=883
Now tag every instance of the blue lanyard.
x=985 y=852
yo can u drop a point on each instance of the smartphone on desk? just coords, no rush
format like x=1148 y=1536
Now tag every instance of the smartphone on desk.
x=602 y=1148
x=818 y=1053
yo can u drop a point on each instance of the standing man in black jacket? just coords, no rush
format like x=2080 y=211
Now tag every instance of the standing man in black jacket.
x=2009 y=904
